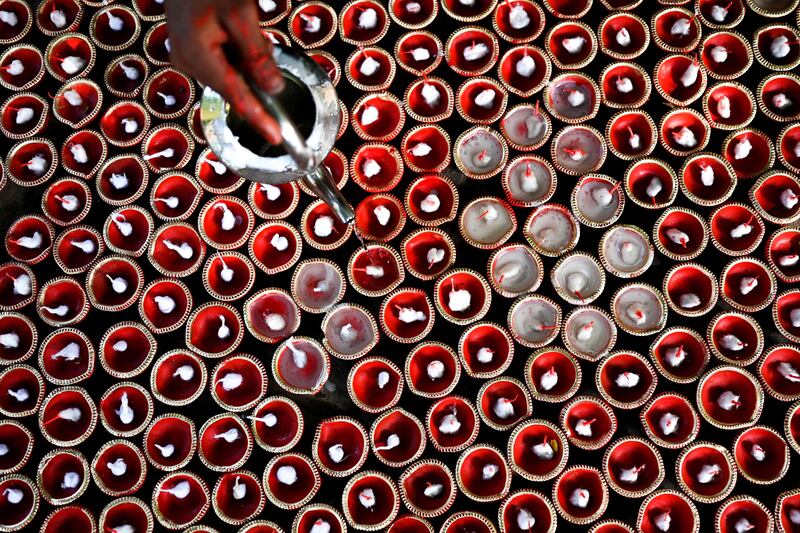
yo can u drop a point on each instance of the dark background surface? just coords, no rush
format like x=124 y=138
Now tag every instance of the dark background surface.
x=16 y=201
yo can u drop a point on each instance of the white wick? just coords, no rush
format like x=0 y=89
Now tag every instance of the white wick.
x=627 y=380
x=166 y=304
x=369 y=115
x=476 y=51
x=383 y=214
x=689 y=300
x=584 y=427
x=230 y=381
x=485 y=355
x=574 y=45
x=323 y=226
x=668 y=423
x=279 y=242
x=579 y=498
x=125 y=412
x=623 y=37
x=549 y=379
x=435 y=370
x=729 y=401
x=675 y=356
x=185 y=372
x=287 y=475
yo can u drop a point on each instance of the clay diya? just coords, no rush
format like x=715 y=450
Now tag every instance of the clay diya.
x=626 y=379
x=370 y=500
x=623 y=35
x=783 y=311
x=670 y=420
x=375 y=384
x=462 y=296
x=729 y=106
x=277 y=424
x=631 y=134
x=571 y=45
x=472 y=51
x=194 y=125
x=228 y=276
x=22 y=21
x=775 y=197
x=378 y=116
x=707 y=179
x=291 y=480
x=71 y=516
x=580 y=495
x=370 y=69
x=114 y=283
x=537 y=450
x=572 y=98
x=176 y=249
x=324 y=517
x=362 y=22
x=706 y=472
x=578 y=150
x=178 y=377
x=174 y=196
x=639 y=309
x=432 y=370
x=276 y=246
x=225 y=222
x=123 y=179
x=775 y=46
x=350 y=331
x=749 y=151
x=301 y=366
x=180 y=499
x=19 y=337
x=452 y=424
x=468 y=12
x=214 y=329
x=31 y=162
x=413 y=15
x=319 y=228
x=312 y=25
x=24 y=388
x=777 y=370
x=690 y=289
x=119 y=468
x=419 y=52
x=668 y=508
x=224 y=443
x=588 y=422
x=125 y=123
x=66 y=202
x=114 y=28
x=167 y=147
x=125 y=75
x=237 y=497
x=427 y=253
x=480 y=152
x=780 y=255
x=735 y=338
x=552 y=230
x=776 y=96
x=481 y=100
x=379 y=217
x=552 y=375
x=239 y=382
x=67 y=416
x=743 y=511
x=169 y=442
x=633 y=467
x=428 y=488
x=534 y=320
x=485 y=349
x=589 y=333
x=720 y=15
x=69 y=56
x=680 y=354
x=684 y=131
x=317 y=285
x=165 y=305
x=676 y=30
x=377 y=168
x=625 y=251
x=426 y=148
x=429 y=100
x=747 y=284
x=518 y=22
x=375 y=270
x=77 y=103
x=20 y=514
x=482 y=473
x=397 y=438
x=125 y=409
x=651 y=183
x=752 y=448
x=340 y=446
x=66 y=356
x=526 y=127
x=726 y=55
x=406 y=315
x=54 y=18
x=597 y=200
x=273 y=202
x=271 y=315
x=514 y=270
x=215 y=177
x=83 y=152
x=624 y=85
x=24 y=115
x=503 y=402
x=730 y=397
x=62 y=302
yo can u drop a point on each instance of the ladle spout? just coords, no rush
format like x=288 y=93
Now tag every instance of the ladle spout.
x=321 y=182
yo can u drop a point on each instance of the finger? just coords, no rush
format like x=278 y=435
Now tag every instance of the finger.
x=254 y=48
x=223 y=78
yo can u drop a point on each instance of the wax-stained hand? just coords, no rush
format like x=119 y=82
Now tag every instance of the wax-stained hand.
x=207 y=36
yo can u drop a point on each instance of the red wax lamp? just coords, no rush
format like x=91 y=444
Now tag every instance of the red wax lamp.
x=482 y=473
x=626 y=380
x=165 y=305
x=588 y=422
x=375 y=384
x=538 y=450
x=707 y=179
x=397 y=438
x=428 y=488
x=624 y=85
x=670 y=421
x=452 y=424
x=119 y=468
x=633 y=467
x=432 y=370
x=340 y=446
x=277 y=424
x=178 y=377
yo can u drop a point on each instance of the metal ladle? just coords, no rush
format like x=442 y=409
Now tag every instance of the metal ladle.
x=302 y=153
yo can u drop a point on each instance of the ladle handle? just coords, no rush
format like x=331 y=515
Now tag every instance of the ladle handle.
x=321 y=182
x=293 y=141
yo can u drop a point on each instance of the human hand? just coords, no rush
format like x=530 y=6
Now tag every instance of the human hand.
x=202 y=35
